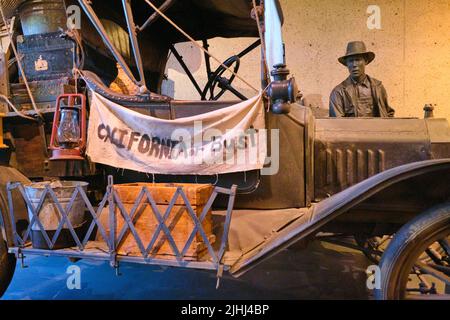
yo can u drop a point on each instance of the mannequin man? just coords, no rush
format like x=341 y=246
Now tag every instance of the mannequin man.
x=359 y=95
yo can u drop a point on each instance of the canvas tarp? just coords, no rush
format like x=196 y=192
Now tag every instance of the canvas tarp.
x=232 y=139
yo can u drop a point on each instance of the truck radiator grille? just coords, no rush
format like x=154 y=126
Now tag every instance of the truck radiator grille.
x=345 y=167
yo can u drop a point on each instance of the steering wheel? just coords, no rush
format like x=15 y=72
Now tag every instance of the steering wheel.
x=223 y=83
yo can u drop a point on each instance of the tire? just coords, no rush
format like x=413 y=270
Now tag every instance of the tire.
x=407 y=246
x=7 y=267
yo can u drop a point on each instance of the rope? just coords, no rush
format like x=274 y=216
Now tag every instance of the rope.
x=78 y=72
x=19 y=64
x=198 y=45
x=19 y=113
x=78 y=62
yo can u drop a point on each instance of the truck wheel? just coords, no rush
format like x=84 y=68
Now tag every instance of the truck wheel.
x=7 y=266
x=416 y=264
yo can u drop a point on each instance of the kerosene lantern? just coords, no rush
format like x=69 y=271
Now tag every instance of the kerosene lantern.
x=68 y=138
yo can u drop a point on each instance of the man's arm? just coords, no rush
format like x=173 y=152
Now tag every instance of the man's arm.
x=389 y=111
x=336 y=104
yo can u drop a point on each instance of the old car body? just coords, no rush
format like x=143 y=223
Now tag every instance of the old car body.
x=362 y=177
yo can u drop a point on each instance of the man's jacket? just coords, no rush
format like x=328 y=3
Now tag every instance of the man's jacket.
x=343 y=103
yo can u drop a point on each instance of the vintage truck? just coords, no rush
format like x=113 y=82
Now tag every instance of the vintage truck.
x=383 y=181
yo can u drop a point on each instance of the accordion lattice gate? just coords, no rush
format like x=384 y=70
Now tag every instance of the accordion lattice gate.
x=162 y=226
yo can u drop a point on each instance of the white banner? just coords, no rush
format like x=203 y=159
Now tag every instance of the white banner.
x=231 y=139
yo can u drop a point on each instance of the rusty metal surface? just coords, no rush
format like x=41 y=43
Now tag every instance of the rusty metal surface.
x=42 y=16
x=310 y=127
x=330 y=208
x=386 y=211
x=46 y=56
x=287 y=188
x=44 y=93
x=348 y=151
x=439 y=132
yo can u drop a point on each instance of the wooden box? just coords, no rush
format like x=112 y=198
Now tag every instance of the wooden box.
x=179 y=221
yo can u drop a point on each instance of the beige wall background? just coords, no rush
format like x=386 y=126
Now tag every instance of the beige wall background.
x=412 y=52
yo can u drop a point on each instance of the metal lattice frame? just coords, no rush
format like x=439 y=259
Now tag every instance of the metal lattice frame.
x=112 y=241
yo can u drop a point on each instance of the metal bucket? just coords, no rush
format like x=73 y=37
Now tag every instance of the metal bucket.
x=42 y=16
x=49 y=215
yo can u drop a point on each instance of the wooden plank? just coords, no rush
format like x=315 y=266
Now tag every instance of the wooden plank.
x=4 y=81
x=162 y=193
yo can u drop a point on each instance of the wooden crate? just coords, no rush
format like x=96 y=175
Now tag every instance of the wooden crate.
x=179 y=221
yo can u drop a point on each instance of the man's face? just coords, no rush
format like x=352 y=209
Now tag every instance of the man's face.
x=356 y=66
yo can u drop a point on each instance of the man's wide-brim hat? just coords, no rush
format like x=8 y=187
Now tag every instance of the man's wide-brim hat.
x=357 y=48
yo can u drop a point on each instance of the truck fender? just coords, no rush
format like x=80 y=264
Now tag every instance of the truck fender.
x=330 y=208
